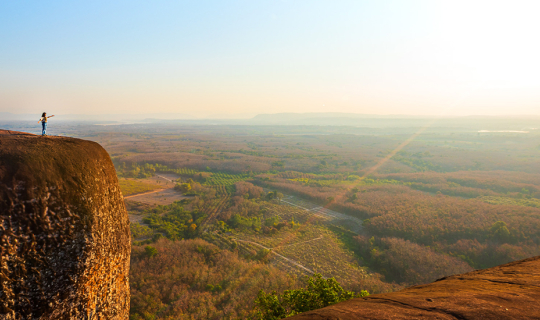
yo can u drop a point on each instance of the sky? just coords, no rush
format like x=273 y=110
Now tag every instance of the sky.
x=241 y=58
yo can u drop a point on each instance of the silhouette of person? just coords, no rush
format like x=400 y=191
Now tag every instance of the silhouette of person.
x=43 y=121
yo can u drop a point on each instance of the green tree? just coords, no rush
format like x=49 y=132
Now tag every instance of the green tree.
x=271 y=195
x=182 y=187
x=150 y=251
x=319 y=293
x=499 y=231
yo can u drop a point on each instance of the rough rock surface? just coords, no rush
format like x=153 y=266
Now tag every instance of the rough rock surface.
x=510 y=291
x=64 y=230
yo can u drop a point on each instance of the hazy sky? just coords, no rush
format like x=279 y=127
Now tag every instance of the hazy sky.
x=248 y=57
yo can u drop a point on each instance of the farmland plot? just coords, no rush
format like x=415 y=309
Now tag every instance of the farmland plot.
x=314 y=247
x=351 y=223
x=326 y=256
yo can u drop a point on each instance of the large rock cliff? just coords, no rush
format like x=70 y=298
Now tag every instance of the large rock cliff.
x=510 y=291
x=64 y=230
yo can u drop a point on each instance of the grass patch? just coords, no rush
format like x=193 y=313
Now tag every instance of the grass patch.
x=347 y=238
x=130 y=187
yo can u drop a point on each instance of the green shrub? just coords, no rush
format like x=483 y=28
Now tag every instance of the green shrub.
x=319 y=293
x=150 y=251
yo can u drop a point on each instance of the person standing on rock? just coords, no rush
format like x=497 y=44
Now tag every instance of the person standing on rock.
x=43 y=121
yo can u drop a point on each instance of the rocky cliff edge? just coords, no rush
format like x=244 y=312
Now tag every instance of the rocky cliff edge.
x=64 y=230
x=510 y=291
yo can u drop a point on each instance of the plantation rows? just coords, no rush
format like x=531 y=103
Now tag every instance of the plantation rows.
x=212 y=210
x=225 y=179
x=295 y=175
x=189 y=171
x=224 y=190
x=215 y=179
x=180 y=171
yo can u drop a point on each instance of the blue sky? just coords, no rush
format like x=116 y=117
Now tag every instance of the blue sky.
x=247 y=57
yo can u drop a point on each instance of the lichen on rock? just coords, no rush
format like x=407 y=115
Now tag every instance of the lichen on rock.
x=64 y=230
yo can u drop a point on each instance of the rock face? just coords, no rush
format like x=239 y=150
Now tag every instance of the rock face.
x=510 y=291
x=64 y=230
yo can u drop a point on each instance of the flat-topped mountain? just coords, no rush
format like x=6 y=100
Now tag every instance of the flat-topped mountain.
x=64 y=230
x=510 y=291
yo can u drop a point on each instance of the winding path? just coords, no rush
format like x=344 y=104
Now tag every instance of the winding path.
x=162 y=177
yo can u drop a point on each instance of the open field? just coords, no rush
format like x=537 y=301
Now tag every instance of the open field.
x=158 y=197
x=130 y=186
x=315 y=248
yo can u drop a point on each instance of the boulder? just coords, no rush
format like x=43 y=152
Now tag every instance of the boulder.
x=64 y=230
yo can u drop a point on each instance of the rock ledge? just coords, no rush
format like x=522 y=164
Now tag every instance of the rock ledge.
x=510 y=291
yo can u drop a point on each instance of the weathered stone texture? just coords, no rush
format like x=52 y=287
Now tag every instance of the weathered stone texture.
x=64 y=230
x=510 y=291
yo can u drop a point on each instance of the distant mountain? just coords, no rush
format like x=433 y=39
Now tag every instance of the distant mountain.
x=335 y=118
x=317 y=115
x=467 y=123
x=8 y=116
x=394 y=121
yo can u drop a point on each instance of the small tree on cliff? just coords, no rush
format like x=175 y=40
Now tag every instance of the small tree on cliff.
x=319 y=293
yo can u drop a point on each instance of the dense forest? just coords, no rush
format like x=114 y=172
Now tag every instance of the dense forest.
x=194 y=279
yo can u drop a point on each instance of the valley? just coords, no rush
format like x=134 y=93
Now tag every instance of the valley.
x=274 y=204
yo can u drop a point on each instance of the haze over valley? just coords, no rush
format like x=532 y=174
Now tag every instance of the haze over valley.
x=274 y=157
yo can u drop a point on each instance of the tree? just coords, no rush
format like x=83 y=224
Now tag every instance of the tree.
x=499 y=231
x=150 y=251
x=182 y=187
x=271 y=195
x=319 y=293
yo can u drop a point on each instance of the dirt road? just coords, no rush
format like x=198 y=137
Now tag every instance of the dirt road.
x=142 y=194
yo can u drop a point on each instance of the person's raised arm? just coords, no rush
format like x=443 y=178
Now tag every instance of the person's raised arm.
x=50 y=116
